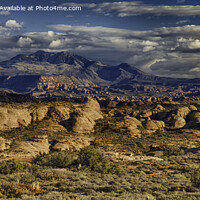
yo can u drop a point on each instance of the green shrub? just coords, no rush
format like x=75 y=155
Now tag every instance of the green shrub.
x=94 y=160
x=10 y=166
x=34 y=168
x=57 y=159
x=27 y=178
x=172 y=151
x=195 y=177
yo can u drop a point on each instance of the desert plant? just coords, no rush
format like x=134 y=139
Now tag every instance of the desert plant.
x=57 y=159
x=172 y=151
x=27 y=178
x=94 y=160
x=10 y=166
x=195 y=177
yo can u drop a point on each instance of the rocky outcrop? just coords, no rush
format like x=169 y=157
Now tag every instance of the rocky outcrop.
x=39 y=113
x=133 y=125
x=176 y=119
x=16 y=117
x=31 y=148
x=64 y=112
x=84 y=119
x=13 y=118
x=76 y=142
x=26 y=150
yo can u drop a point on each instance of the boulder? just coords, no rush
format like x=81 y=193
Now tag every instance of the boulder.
x=83 y=123
x=183 y=111
x=84 y=119
x=59 y=113
x=133 y=125
x=159 y=108
x=178 y=122
x=192 y=108
x=154 y=124
x=92 y=104
x=61 y=146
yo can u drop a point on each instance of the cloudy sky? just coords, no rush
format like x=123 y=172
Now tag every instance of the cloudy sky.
x=161 y=37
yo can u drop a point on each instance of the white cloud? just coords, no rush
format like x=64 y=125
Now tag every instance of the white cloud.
x=24 y=41
x=182 y=22
x=4 y=13
x=13 y=24
x=195 y=69
x=147 y=66
x=50 y=33
x=188 y=43
x=148 y=48
x=2 y=29
x=56 y=44
x=149 y=43
x=194 y=44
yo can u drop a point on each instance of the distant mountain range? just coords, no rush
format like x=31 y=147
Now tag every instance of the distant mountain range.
x=59 y=74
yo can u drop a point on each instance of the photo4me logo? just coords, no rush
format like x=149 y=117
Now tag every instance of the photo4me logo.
x=39 y=8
